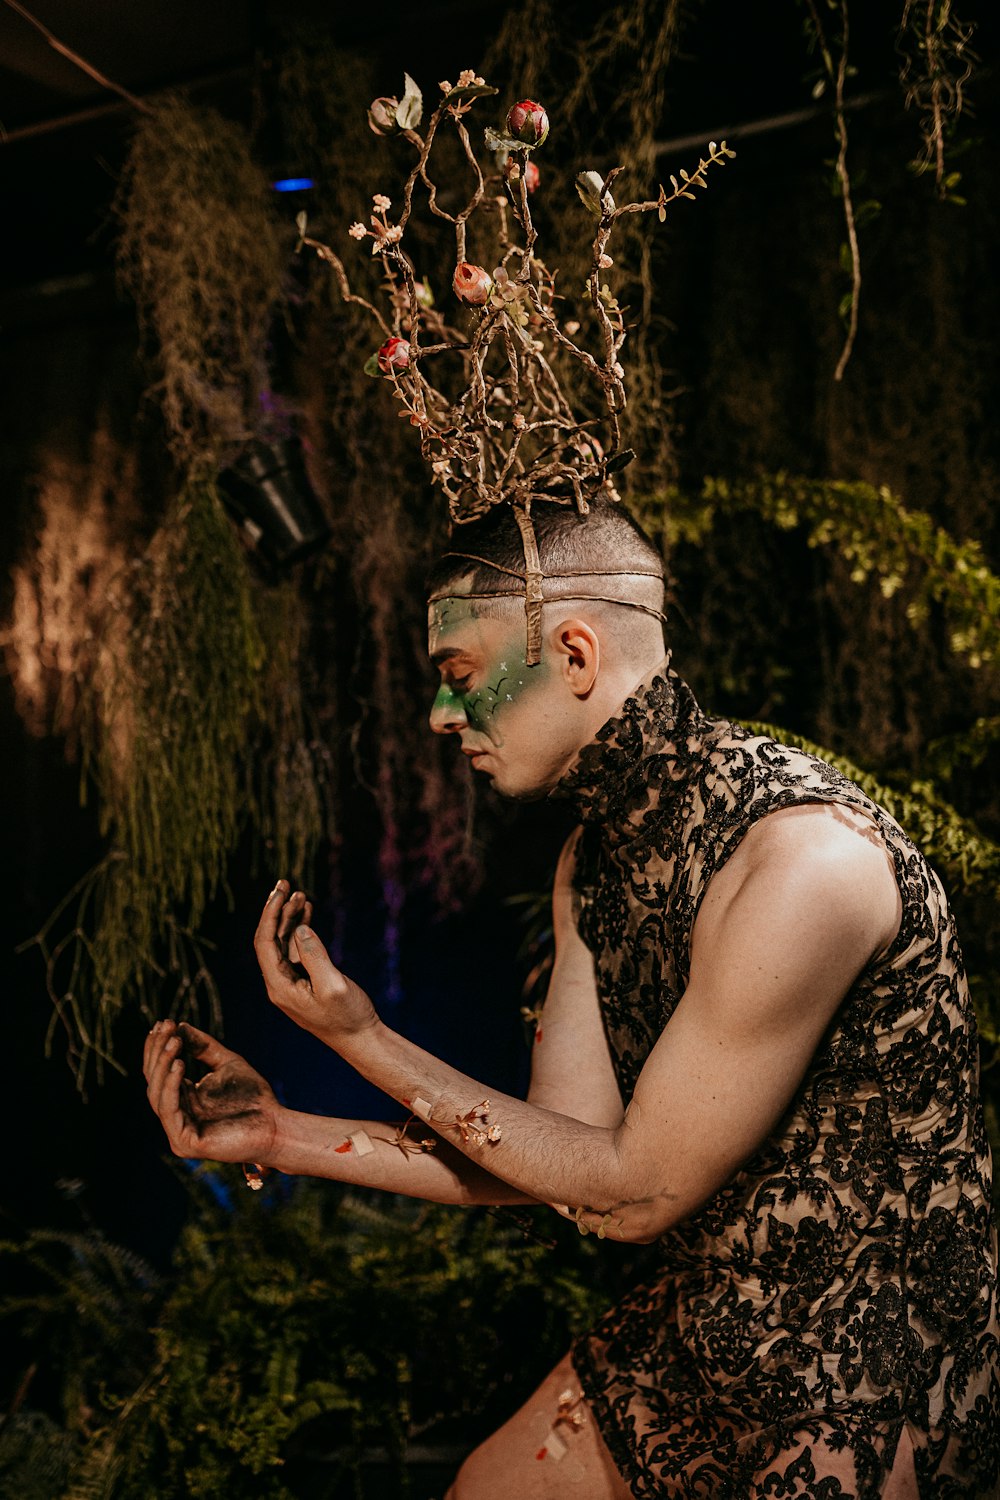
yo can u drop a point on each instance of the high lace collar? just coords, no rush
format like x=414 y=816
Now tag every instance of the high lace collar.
x=656 y=737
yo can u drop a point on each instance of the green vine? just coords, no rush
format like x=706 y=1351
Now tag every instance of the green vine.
x=901 y=549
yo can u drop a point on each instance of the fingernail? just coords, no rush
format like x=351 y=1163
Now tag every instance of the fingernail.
x=302 y=932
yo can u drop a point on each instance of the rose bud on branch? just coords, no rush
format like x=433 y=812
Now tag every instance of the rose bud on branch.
x=394 y=356
x=472 y=284
x=382 y=116
x=527 y=122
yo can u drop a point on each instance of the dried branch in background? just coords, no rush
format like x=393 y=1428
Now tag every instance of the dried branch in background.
x=937 y=62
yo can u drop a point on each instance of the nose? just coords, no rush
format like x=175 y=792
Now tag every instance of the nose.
x=447 y=714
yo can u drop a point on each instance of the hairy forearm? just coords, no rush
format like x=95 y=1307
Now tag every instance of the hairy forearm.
x=543 y=1155
x=315 y=1146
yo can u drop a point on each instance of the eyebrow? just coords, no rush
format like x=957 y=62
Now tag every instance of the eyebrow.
x=447 y=653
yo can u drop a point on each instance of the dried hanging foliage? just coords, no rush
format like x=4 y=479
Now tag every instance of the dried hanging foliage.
x=179 y=719
x=88 y=522
x=936 y=64
x=204 y=255
x=184 y=680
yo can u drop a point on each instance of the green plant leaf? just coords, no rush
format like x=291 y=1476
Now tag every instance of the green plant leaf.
x=470 y=91
x=505 y=143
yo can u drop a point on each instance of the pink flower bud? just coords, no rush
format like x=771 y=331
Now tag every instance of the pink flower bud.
x=512 y=173
x=394 y=356
x=527 y=122
x=472 y=285
x=382 y=116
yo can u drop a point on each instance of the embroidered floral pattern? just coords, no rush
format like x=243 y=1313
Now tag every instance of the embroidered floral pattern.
x=839 y=1293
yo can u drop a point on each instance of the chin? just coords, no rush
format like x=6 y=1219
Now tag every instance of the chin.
x=534 y=792
x=521 y=794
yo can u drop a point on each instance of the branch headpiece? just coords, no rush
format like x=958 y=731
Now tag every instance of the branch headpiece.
x=490 y=401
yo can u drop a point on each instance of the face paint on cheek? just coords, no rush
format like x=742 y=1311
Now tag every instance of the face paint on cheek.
x=509 y=679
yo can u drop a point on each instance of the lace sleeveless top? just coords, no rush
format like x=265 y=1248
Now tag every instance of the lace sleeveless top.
x=840 y=1291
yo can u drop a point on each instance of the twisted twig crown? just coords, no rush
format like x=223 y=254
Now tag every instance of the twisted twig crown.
x=496 y=425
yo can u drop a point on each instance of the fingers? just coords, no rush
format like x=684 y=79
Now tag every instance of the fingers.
x=274 y=931
x=291 y=914
x=314 y=959
x=163 y=1052
x=206 y=1048
x=294 y=912
x=267 y=928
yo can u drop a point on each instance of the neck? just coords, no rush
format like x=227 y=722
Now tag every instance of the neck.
x=658 y=730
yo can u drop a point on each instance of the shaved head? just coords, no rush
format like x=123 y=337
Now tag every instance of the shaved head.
x=615 y=564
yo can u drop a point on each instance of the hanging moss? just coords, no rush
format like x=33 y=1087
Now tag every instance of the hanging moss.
x=200 y=695
x=204 y=255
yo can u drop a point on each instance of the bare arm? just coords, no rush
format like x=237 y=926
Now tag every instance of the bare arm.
x=571 y=1071
x=232 y=1115
x=783 y=932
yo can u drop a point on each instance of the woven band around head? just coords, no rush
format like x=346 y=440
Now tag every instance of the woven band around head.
x=533 y=578
x=559 y=598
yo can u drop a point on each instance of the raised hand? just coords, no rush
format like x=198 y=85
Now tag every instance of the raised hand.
x=322 y=1000
x=228 y=1115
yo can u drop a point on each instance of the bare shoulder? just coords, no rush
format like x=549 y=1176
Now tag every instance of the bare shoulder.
x=818 y=836
x=829 y=855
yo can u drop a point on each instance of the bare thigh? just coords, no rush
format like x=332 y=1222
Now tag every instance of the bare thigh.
x=508 y=1463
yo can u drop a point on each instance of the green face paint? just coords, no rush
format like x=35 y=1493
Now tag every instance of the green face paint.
x=500 y=684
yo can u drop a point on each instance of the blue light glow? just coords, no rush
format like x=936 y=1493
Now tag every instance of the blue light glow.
x=292 y=184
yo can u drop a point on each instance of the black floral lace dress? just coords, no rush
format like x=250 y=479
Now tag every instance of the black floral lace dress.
x=834 y=1305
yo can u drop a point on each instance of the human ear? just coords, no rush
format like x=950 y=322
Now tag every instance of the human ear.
x=577 y=650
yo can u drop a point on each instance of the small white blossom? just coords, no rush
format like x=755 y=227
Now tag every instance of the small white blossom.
x=357 y=232
x=382 y=202
x=605 y=262
x=444 y=86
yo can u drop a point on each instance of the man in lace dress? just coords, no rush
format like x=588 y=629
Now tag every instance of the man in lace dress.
x=758 y=1052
